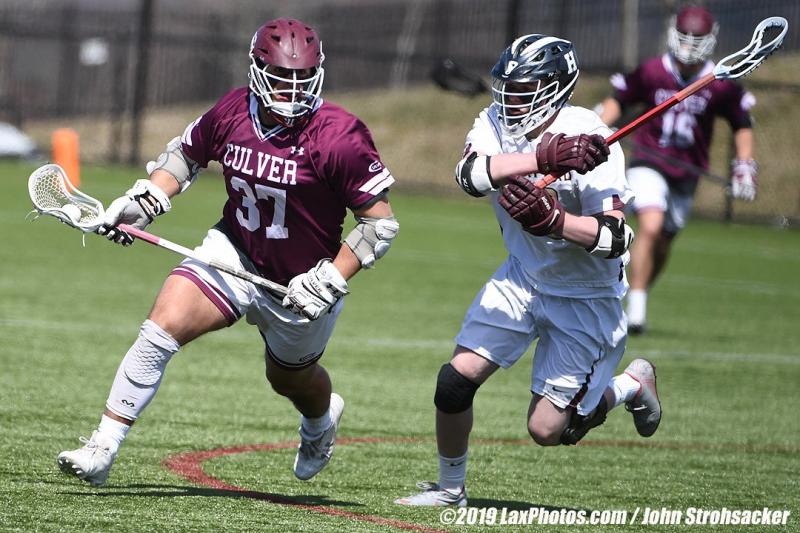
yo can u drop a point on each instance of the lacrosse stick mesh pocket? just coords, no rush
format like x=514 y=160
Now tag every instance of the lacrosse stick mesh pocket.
x=49 y=191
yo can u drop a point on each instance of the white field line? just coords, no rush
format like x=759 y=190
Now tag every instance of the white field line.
x=444 y=345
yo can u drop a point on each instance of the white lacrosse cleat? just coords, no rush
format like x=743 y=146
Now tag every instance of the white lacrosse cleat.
x=91 y=462
x=313 y=455
x=645 y=406
x=433 y=495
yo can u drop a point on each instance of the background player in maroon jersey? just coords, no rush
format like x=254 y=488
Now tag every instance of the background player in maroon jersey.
x=293 y=165
x=664 y=190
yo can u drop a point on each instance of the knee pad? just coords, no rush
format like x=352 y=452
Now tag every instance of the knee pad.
x=579 y=425
x=148 y=357
x=454 y=392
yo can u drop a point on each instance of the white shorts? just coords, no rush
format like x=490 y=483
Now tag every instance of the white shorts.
x=653 y=192
x=293 y=342
x=581 y=341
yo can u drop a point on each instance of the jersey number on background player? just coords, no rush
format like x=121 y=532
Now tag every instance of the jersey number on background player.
x=252 y=220
x=677 y=129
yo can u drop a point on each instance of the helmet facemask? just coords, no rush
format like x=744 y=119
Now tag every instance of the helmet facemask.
x=523 y=107
x=289 y=96
x=691 y=49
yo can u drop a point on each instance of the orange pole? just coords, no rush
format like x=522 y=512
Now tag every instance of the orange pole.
x=66 y=153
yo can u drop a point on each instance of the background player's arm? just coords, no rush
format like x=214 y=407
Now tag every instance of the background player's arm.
x=744 y=170
x=743 y=143
x=611 y=111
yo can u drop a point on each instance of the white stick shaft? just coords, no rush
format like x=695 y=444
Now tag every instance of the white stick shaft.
x=273 y=287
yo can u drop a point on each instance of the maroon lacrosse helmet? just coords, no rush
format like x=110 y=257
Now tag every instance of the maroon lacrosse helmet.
x=286 y=71
x=692 y=35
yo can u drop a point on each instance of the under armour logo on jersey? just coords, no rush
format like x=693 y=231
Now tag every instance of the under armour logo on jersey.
x=297 y=150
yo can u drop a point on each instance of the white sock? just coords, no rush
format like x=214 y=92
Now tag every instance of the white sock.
x=624 y=387
x=114 y=432
x=637 y=306
x=313 y=427
x=452 y=472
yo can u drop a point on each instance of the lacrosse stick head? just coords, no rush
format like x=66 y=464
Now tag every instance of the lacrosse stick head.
x=767 y=37
x=52 y=194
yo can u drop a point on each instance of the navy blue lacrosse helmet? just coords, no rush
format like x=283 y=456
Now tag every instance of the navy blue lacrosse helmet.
x=533 y=79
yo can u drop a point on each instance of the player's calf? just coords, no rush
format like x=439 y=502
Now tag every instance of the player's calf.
x=546 y=423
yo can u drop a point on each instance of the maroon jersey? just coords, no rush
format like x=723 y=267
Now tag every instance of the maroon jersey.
x=288 y=188
x=684 y=131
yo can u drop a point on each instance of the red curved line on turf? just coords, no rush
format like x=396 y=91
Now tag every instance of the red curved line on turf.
x=189 y=465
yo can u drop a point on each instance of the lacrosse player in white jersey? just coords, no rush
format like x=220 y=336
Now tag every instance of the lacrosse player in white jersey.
x=564 y=278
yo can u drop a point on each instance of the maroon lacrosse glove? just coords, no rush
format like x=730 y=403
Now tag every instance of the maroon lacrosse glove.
x=558 y=154
x=534 y=208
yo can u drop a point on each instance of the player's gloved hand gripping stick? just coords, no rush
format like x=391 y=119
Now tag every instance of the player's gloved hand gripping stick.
x=732 y=67
x=52 y=194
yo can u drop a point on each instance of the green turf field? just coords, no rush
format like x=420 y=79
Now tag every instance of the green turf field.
x=724 y=336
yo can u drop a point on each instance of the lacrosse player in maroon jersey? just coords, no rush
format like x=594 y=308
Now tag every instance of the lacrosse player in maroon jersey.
x=667 y=148
x=562 y=283
x=293 y=165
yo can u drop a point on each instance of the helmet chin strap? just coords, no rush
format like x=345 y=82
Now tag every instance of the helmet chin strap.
x=271 y=119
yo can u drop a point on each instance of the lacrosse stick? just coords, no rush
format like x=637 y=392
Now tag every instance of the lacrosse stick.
x=53 y=194
x=694 y=169
x=271 y=286
x=731 y=67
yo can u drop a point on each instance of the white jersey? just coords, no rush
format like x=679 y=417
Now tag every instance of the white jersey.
x=556 y=266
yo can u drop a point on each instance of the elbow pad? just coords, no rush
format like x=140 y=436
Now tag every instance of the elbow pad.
x=614 y=236
x=174 y=161
x=472 y=175
x=371 y=238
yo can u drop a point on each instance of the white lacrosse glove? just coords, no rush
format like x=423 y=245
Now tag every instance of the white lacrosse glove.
x=744 y=179
x=140 y=205
x=313 y=293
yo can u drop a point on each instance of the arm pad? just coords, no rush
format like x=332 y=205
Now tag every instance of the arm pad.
x=371 y=238
x=472 y=175
x=614 y=236
x=174 y=161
